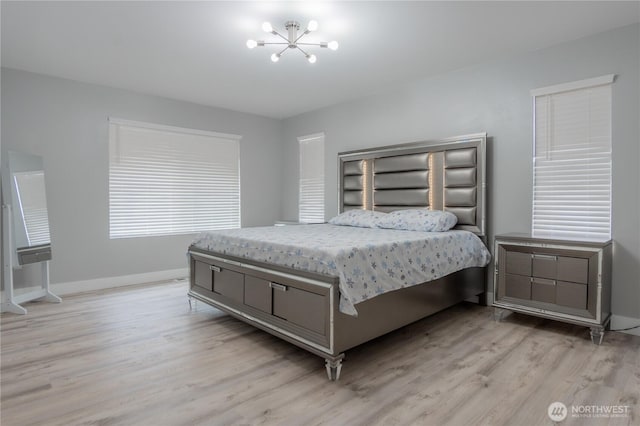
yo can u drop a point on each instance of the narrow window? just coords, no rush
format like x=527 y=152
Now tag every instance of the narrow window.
x=311 y=199
x=572 y=160
x=168 y=180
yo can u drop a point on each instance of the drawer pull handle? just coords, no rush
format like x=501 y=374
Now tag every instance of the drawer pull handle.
x=215 y=268
x=543 y=281
x=277 y=286
x=545 y=256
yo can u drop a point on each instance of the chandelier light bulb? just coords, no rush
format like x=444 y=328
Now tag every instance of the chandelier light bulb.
x=291 y=40
x=313 y=25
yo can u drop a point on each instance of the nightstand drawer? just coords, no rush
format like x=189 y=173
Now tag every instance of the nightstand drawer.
x=573 y=269
x=545 y=266
x=518 y=263
x=518 y=286
x=571 y=295
x=543 y=290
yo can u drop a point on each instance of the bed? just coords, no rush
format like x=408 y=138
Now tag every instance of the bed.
x=330 y=287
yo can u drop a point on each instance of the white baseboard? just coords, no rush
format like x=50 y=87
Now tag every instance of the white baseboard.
x=61 y=289
x=618 y=322
x=73 y=287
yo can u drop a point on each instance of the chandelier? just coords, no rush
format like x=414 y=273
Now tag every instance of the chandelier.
x=292 y=40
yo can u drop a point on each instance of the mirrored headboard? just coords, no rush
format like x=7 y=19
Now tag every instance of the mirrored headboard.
x=446 y=174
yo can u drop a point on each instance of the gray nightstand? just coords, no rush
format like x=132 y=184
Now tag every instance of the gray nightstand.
x=562 y=280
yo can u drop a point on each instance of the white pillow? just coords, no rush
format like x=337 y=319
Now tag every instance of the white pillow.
x=419 y=220
x=360 y=218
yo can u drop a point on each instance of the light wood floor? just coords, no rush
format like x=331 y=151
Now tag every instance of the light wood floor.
x=139 y=356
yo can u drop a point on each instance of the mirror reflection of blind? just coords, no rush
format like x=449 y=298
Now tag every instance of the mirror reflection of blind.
x=166 y=180
x=311 y=186
x=33 y=206
x=572 y=164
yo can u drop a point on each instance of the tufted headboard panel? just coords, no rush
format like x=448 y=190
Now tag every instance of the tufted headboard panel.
x=446 y=175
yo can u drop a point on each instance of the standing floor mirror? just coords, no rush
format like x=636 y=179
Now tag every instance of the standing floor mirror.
x=26 y=238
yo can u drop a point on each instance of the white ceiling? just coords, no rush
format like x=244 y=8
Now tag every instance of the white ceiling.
x=195 y=51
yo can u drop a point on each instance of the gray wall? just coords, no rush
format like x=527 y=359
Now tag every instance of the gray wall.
x=66 y=123
x=494 y=97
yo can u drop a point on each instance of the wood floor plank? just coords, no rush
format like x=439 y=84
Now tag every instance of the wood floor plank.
x=141 y=356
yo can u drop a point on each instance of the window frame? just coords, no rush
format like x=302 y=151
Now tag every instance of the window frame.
x=589 y=228
x=315 y=216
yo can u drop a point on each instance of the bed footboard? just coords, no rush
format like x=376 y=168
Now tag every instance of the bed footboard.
x=302 y=308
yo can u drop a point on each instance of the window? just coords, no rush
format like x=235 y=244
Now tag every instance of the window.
x=168 y=180
x=572 y=160
x=311 y=207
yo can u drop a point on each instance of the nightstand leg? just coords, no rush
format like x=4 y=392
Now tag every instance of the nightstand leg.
x=597 y=334
x=499 y=314
x=192 y=303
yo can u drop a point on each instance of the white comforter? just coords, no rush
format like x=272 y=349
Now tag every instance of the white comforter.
x=367 y=261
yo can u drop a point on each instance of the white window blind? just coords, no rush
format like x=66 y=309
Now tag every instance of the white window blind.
x=311 y=199
x=572 y=161
x=168 y=180
x=32 y=199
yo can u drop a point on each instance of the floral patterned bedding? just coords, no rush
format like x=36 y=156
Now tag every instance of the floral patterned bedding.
x=367 y=261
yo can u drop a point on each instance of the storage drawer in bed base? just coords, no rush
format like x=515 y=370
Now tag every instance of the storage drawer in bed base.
x=302 y=307
x=268 y=310
x=271 y=326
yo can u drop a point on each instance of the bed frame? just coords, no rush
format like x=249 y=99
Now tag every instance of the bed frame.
x=302 y=307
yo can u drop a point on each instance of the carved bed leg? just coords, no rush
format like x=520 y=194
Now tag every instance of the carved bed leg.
x=597 y=334
x=333 y=368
